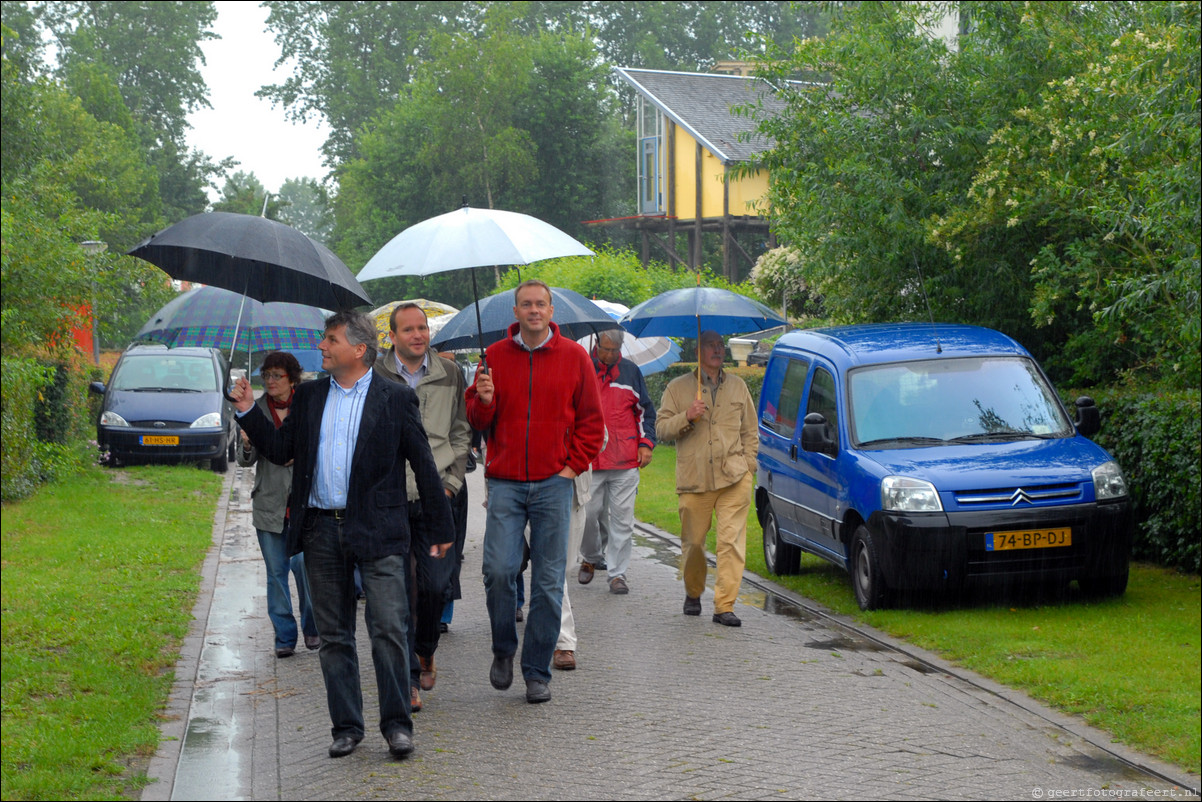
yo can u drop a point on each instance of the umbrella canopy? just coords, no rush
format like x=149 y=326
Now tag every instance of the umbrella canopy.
x=436 y=314
x=688 y=311
x=310 y=361
x=575 y=315
x=651 y=354
x=208 y=316
x=260 y=258
x=470 y=237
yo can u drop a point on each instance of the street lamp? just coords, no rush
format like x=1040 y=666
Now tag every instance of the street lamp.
x=93 y=248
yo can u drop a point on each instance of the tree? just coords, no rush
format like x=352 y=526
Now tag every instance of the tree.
x=305 y=205
x=893 y=166
x=243 y=193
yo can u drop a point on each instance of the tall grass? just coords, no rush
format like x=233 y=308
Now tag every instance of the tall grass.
x=100 y=575
x=1128 y=665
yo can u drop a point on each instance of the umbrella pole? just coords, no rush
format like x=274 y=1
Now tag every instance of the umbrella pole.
x=479 y=325
x=699 y=357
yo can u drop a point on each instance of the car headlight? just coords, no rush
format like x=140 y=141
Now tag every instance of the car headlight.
x=112 y=419
x=210 y=421
x=1108 y=482
x=903 y=494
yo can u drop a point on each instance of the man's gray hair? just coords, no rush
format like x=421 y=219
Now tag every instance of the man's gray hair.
x=360 y=330
x=615 y=336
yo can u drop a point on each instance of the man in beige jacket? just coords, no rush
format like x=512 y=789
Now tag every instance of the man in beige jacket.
x=439 y=384
x=713 y=421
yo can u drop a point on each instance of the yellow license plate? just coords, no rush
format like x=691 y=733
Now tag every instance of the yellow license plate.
x=1029 y=539
x=160 y=440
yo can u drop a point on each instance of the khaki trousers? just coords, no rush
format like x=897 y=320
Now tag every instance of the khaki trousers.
x=697 y=511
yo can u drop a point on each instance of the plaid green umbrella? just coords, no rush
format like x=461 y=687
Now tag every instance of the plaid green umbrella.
x=208 y=316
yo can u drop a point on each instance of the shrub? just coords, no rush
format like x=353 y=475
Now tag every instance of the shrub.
x=21 y=381
x=1155 y=436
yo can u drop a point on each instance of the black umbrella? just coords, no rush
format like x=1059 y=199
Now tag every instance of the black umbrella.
x=259 y=258
x=575 y=315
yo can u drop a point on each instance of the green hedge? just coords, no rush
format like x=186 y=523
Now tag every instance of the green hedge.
x=45 y=420
x=1156 y=437
x=21 y=381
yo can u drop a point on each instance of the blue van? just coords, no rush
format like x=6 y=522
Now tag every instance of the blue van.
x=923 y=456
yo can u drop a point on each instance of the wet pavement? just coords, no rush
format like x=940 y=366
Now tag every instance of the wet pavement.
x=796 y=703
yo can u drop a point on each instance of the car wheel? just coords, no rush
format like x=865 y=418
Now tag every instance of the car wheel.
x=866 y=577
x=781 y=557
x=1102 y=586
x=221 y=464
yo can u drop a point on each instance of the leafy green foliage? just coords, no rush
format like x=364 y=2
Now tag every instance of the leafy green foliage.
x=1155 y=437
x=243 y=193
x=1039 y=178
x=305 y=205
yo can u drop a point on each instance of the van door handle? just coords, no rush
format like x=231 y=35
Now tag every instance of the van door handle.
x=793 y=452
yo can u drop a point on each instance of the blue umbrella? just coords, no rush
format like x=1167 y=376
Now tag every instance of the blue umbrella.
x=575 y=315
x=689 y=311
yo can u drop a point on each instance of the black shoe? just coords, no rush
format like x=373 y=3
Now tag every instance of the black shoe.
x=400 y=743
x=727 y=620
x=517 y=616
x=501 y=673
x=443 y=627
x=287 y=651
x=343 y=746
x=692 y=606
x=537 y=691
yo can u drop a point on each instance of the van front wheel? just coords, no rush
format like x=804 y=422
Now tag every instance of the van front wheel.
x=781 y=558
x=866 y=577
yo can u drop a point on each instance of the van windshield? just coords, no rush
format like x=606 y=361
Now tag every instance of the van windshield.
x=165 y=372
x=942 y=401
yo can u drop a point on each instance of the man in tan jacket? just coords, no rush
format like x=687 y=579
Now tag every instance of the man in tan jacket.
x=439 y=384
x=713 y=421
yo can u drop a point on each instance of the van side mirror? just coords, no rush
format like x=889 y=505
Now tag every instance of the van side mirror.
x=1089 y=418
x=816 y=435
x=96 y=387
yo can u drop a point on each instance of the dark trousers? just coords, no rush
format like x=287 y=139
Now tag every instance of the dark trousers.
x=430 y=578
x=330 y=564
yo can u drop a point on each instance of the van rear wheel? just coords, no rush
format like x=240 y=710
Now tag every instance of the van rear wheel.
x=781 y=558
x=866 y=576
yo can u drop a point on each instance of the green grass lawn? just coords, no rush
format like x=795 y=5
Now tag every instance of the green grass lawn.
x=100 y=575
x=1128 y=665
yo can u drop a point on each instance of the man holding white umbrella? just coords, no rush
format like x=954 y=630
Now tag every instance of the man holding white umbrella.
x=540 y=405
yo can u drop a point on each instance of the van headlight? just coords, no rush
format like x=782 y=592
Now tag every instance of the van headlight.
x=210 y=421
x=903 y=494
x=112 y=419
x=1108 y=482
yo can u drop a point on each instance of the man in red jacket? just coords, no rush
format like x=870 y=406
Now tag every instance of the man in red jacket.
x=539 y=403
x=630 y=420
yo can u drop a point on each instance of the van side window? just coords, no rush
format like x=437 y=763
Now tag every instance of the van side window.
x=822 y=399
x=784 y=385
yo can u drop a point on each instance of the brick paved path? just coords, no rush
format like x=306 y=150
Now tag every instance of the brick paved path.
x=663 y=706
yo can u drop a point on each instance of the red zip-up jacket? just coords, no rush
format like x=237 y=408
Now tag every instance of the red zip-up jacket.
x=546 y=411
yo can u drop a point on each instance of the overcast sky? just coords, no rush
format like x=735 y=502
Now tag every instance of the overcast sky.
x=240 y=124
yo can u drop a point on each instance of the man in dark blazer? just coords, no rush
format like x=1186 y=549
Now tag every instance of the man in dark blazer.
x=350 y=436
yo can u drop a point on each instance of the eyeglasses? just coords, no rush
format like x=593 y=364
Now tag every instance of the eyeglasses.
x=274 y=376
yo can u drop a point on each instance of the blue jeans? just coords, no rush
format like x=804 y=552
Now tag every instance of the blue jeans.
x=330 y=563
x=547 y=507
x=274 y=546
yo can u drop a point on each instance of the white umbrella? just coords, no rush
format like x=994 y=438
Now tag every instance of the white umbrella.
x=469 y=238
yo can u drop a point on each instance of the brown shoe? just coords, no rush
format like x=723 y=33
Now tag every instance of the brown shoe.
x=564 y=660
x=415 y=700
x=429 y=672
x=586 y=573
x=618 y=586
